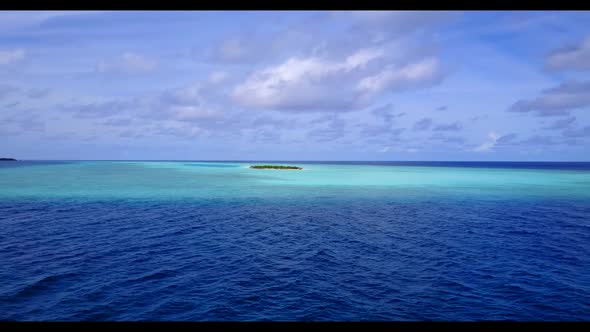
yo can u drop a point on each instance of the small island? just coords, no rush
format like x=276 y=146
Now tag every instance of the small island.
x=7 y=159
x=274 y=167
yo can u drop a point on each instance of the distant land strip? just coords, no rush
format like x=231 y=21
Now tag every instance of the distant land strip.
x=274 y=167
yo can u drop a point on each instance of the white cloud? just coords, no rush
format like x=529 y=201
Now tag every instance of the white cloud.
x=487 y=146
x=217 y=77
x=424 y=72
x=190 y=94
x=232 y=49
x=10 y=56
x=314 y=83
x=557 y=101
x=237 y=50
x=399 y=22
x=190 y=113
x=385 y=149
x=570 y=58
x=136 y=62
x=297 y=83
x=360 y=58
x=182 y=131
x=17 y=19
x=186 y=104
x=128 y=62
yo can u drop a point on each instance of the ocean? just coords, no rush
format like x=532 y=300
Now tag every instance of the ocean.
x=336 y=241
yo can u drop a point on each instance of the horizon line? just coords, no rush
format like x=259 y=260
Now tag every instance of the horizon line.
x=312 y=160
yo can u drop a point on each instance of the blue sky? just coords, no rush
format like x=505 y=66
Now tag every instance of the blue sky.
x=303 y=85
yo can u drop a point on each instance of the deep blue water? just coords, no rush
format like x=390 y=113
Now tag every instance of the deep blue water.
x=337 y=256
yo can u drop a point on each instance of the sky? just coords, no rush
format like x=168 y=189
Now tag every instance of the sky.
x=301 y=85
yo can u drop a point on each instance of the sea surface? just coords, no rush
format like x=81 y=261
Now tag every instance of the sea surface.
x=336 y=241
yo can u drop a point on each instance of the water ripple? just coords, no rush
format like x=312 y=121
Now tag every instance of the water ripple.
x=373 y=260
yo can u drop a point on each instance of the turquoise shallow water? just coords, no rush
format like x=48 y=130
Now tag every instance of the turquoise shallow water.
x=215 y=180
x=202 y=241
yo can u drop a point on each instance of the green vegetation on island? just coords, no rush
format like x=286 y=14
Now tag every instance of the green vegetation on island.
x=7 y=159
x=274 y=167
